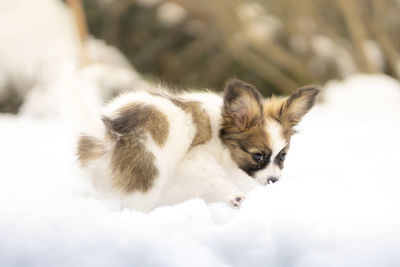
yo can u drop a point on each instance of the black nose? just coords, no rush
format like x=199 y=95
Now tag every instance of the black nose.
x=272 y=180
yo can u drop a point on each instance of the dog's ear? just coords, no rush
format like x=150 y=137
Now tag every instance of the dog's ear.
x=298 y=104
x=242 y=104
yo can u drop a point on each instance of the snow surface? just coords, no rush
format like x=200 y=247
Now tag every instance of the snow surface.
x=338 y=203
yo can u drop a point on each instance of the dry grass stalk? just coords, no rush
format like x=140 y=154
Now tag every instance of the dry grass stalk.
x=80 y=20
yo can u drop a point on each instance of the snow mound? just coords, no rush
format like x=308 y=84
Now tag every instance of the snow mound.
x=368 y=93
x=337 y=204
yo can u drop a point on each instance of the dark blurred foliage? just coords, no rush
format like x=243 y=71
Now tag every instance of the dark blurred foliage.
x=188 y=54
x=277 y=45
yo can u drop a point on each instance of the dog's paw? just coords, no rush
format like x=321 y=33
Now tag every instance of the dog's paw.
x=237 y=201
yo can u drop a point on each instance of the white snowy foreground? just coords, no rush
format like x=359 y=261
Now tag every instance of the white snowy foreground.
x=338 y=203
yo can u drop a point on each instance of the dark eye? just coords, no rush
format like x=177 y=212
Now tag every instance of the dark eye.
x=258 y=157
x=282 y=157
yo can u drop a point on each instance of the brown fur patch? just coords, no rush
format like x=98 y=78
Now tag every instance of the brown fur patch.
x=132 y=164
x=242 y=146
x=273 y=108
x=289 y=111
x=243 y=129
x=89 y=148
x=200 y=119
x=139 y=116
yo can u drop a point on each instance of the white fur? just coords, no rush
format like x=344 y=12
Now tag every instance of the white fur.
x=277 y=143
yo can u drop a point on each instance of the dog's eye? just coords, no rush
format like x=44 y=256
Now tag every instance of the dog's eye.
x=258 y=157
x=282 y=157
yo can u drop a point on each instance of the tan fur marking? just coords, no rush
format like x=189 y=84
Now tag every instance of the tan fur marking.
x=273 y=109
x=89 y=148
x=200 y=119
x=290 y=110
x=153 y=120
x=132 y=164
x=241 y=146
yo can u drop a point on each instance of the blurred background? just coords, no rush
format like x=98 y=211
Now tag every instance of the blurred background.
x=278 y=45
x=275 y=44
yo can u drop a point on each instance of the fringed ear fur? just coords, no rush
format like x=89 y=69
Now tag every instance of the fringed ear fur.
x=242 y=104
x=298 y=104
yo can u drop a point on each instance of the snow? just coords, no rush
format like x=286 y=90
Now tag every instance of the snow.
x=337 y=203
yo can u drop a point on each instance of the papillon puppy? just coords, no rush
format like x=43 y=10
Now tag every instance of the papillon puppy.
x=160 y=148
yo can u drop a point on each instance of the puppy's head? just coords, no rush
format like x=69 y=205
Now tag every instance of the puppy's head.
x=258 y=132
